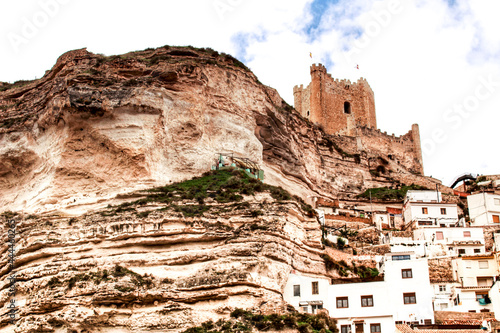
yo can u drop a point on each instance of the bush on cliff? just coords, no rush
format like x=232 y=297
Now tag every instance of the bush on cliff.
x=244 y=321
x=384 y=193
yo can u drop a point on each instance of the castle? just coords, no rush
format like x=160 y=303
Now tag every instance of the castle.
x=348 y=109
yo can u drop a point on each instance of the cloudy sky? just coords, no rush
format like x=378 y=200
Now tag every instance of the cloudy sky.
x=431 y=62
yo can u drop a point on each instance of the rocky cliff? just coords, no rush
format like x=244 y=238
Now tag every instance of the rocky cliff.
x=95 y=127
x=167 y=259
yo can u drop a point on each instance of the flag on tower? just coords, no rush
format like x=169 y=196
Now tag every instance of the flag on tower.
x=357 y=66
x=310 y=54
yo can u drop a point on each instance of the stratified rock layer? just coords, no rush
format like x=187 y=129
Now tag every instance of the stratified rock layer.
x=149 y=268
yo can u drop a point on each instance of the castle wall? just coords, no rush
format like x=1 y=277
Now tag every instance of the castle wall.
x=323 y=102
x=405 y=149
x=302 y=99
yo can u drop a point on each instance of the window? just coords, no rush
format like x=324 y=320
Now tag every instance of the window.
x=308 y=113
x=497 y=202
x=481 y=295
x=315 y=288
x=401 y=257
x=439 y=235
x=484 y=282
x=496 y=218
x=424 y=210
x=345 y=329
x=477 y=250
x=367 y=300
x=305 y=308
x=443 y=211
x=409 y=298
x=483 y=264
x=406 y=273
x=347 y=107
x=424 y=223
x=342 y=302
x=442 y=288
x=296 y=290
x=316 y=307
x=375 y=328
x=461 y=251
x=466 y=233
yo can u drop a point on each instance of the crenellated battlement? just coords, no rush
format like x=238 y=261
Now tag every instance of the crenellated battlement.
x=318 y=68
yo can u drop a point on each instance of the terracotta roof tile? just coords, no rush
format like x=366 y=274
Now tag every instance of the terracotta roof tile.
x=407 y=329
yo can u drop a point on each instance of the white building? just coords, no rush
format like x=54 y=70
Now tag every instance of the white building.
x=423 y=196
x=362 y=307
x=453 y=241
x=409 y=287
x=445 y=295
x=425 y=208
x=484 y=209
x=494 y=295
x=476 y=275
x=307 y=293
x=404 y=295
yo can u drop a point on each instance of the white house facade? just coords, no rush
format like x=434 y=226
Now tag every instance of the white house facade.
x=476 y=275
x=484 y=209
x=425 y=208
x=453 y=241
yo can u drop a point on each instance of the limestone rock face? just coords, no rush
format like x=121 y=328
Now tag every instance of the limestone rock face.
x=95 y=127
x=113 y=271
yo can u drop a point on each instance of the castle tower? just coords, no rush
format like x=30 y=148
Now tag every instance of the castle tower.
x=415 y=133
x=338 y=106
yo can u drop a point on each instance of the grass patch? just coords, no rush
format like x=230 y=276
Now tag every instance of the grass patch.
x=9 y=214
x=124 y=289
x=191 y=210
x=17 y=84
x=137 y=279
x=384 y=193
x=95 y=277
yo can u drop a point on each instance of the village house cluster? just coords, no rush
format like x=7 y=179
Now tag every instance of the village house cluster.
x=438 y=261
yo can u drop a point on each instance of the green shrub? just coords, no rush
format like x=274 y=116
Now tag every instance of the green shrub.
x=340 y=243
x=124 y=289
x=256 y=213
x=53 y=282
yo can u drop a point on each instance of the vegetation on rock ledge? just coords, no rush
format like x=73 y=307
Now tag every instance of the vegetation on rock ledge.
x=384 y=193
x=222 y=186
x=246 y=321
